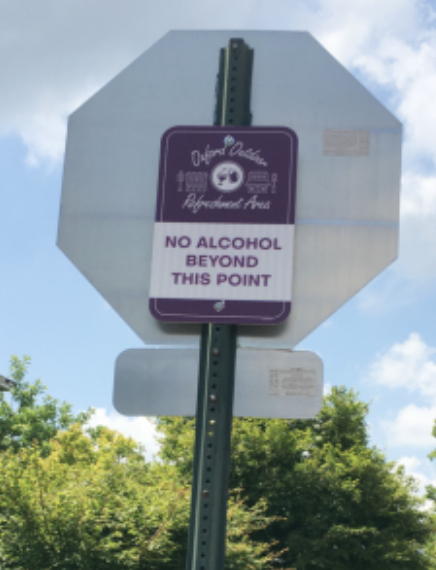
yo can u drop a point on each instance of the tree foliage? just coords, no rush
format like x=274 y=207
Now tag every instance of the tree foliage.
x=92 y=503
x=340 y=504
x=309 y=495
x=75 y=499
x=28 y=414
x=431 y=496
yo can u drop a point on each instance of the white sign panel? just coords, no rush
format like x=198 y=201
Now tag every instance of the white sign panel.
x=268 y=383
x=347 y=202
x=225 y=262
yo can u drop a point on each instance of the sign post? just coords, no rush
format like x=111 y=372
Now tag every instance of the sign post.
x=222 y=253
x=207 y=530
x=349 y=152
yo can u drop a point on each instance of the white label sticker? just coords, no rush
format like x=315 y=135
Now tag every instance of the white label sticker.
x=346 y=143
x=292 y=382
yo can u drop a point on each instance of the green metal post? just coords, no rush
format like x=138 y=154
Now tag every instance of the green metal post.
x=207 y=531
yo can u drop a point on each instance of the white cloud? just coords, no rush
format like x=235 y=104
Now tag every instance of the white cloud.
x=44 y=136
x=412 y=427
x=414 y=468
x=418 y=196
x=417 y=251
x=350 y=29
x=141 y=430
x=410 y=365
x=410 y=464
x=406 y=64
x=54 y=55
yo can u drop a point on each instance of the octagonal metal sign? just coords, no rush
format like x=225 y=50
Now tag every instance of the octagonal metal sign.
x=347 y=191
x=224 y=232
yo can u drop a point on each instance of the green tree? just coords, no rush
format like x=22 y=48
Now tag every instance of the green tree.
x=339 y=503
x=306 y=494
x=93 y=503
x=431 y=496
x=78 y=499
x=29 y=414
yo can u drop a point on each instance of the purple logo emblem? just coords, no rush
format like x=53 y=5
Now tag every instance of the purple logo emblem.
x=227 y=176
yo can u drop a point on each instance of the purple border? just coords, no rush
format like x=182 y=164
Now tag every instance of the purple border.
x=202 y=311
x=282 y=158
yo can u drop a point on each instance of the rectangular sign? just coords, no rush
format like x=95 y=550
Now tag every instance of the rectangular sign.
x=224 y=231
x=268 y=383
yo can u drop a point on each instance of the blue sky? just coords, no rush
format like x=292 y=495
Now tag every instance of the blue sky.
x=54 y=55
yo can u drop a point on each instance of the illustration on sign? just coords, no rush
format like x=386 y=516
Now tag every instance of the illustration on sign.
x=224 y=230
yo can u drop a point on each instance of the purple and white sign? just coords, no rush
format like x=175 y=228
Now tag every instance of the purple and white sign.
x=224 y=231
